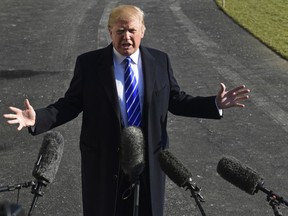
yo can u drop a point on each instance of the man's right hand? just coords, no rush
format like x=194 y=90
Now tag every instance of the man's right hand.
x=25 y=118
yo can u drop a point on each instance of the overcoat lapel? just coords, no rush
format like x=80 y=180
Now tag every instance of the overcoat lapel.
x=149 y=71
x=107 y=78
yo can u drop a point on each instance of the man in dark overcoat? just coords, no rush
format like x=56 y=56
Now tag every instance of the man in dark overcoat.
x=97 y=91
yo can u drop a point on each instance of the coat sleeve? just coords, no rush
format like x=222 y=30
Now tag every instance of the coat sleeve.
x=183 y=104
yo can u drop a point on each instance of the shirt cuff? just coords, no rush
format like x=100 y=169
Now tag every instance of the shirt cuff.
x=219 y=110
x=32 y=129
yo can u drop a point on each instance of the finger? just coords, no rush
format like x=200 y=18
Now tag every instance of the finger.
x=238 y=88
x=20 y=127
x=14 y=109
x=242 y=98
x=242 y=92
x=240 y=105
x=234 y=105
x=14 y=121
x=10 y=116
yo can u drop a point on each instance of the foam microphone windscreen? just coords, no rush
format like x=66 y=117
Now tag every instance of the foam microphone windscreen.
x=49 y=157
x=173 y=168
x=132 y=152
x=239 y=174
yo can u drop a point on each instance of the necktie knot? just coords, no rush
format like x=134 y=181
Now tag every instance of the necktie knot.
x=128 y=60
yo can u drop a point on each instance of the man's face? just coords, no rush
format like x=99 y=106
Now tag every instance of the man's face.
x=126 y=36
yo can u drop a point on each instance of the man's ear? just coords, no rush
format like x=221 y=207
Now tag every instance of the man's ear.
x=142 y=33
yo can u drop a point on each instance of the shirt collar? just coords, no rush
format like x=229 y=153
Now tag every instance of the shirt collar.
x=119 y=58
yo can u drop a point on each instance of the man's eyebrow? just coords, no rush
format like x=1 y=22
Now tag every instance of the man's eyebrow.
x=127 y=29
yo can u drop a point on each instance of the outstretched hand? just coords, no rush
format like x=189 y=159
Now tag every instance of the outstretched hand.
x=25 y=118
x=232 y=98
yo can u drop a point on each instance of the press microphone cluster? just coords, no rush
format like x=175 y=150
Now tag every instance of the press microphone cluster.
x=244 y=177
x=47 y=164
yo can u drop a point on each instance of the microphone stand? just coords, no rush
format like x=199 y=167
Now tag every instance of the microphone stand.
x=127 y=193
x=136 y=197
x=273 y=199
x=274 y=204
x=135 y=179
x=195 y=193
x=36 y=190
x=17 y=186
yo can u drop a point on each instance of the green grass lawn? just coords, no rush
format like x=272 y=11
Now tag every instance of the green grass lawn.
x=267 y=20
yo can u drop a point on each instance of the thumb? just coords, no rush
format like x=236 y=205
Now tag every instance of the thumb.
x=27 y=104
x=222 y=89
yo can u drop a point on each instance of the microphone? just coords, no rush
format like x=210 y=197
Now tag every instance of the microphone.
x=180 y=175
x=132 y=152
x=240 y=175
x=49 y=157
x=245 y=178
x=132 y=160
x=174 y=169
x=47 y=164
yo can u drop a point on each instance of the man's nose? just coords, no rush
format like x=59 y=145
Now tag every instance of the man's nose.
x=127 y=34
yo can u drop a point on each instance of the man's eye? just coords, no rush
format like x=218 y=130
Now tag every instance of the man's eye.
x=120 y=31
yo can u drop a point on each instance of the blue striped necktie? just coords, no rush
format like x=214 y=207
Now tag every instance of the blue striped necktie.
x=131 y=95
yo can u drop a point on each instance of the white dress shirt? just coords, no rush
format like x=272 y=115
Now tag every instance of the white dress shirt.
x=119 y=67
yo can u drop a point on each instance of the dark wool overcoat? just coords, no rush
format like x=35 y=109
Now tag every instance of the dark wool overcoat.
x=93 y=92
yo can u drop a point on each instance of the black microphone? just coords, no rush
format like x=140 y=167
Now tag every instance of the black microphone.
x=47 y=164
x=132 y=160
x=49 y=157
x=245 y=178
x=240 y=175
x=174 y=169
x=132 y=152
x=180 y=175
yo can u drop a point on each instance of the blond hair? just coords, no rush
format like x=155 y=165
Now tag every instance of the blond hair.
x=126 y=13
